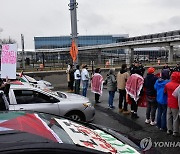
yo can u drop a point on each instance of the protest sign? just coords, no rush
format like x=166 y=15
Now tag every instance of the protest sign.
x=8 y=61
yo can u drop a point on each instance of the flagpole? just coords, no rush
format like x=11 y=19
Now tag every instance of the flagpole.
x=72 y=7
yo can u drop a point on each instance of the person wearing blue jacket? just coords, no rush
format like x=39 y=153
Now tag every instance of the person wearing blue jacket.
x=162 y=98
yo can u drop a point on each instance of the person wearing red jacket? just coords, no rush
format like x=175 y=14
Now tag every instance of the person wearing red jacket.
x=172 y=103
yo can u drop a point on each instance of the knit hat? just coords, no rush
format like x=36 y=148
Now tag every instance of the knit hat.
x=151 y=70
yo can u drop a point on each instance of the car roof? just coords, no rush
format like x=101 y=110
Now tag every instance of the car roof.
x=21 y=85
x=18 y=85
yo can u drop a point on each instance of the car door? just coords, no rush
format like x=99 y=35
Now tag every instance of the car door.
x=36 y=101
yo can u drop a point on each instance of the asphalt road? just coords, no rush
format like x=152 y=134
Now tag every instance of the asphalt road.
x=136 y=128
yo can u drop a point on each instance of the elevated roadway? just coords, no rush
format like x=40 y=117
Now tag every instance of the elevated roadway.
x=166 y=39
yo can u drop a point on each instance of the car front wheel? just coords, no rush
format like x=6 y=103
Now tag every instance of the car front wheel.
x=76 y=116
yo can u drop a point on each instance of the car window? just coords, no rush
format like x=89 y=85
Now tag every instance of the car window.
x=32 y=97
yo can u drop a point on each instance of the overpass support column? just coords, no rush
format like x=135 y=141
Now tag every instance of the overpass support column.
x=170 y=54
x=130 y=56
x=99 y=56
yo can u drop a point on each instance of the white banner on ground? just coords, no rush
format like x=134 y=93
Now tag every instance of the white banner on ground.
x=8 y=61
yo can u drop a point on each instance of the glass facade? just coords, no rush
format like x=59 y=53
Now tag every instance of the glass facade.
x=65 y=41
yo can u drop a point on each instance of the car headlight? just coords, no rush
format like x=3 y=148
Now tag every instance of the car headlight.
x=88 y=104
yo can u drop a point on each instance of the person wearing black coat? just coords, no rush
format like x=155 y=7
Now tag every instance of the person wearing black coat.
x=149 y=82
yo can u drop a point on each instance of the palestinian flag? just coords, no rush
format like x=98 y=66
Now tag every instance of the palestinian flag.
x=27 y=122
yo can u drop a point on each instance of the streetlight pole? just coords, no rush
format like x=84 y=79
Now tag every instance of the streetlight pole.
x=72 y=7
x=22 y=42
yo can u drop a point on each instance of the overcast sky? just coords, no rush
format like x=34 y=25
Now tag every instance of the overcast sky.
x=52 y=18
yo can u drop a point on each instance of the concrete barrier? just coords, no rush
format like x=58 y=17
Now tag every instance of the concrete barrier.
x=59 y=78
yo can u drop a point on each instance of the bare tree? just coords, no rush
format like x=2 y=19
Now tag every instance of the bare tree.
x=8 y=41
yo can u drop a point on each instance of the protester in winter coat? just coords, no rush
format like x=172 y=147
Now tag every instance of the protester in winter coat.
x=166 y=66
x=142 y=69
x=97 y=84
x=149 y=82
x=122 y=77
x=134 y=86
x=135 y=68
x=172 y=110
x=161 y=99
x=176 y=68
x=111 y=86
x=85 y=79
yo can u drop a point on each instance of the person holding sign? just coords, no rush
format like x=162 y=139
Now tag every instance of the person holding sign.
x=4 y=88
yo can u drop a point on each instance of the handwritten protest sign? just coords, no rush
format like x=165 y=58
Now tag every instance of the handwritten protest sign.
x=8 y=61
x=95 y=139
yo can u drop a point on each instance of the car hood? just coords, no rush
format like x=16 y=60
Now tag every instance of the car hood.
x=75 y=97
x=45 y=84
x=16 y=125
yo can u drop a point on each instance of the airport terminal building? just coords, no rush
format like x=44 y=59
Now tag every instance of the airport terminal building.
x=57 y=42
x=86 y=40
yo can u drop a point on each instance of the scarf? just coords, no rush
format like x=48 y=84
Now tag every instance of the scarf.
x=97 y=84
x=134 y=85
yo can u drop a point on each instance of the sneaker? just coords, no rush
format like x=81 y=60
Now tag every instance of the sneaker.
x=169 y=132
x=175 y=134
x=153 y=123
x=147 y=121
x=120 y=110
x=111 y=107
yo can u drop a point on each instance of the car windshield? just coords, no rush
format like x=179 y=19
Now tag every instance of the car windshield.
x=57 y=93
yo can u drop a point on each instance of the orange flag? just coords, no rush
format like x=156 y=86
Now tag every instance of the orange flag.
x=73 y=51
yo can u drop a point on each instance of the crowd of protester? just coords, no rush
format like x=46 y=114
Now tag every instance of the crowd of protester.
x=162 y=91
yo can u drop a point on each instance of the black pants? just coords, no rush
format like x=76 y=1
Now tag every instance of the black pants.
x=122 y=98
x=71 y=84
x=77 y=86
x=97 y=97
x=134 y=105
